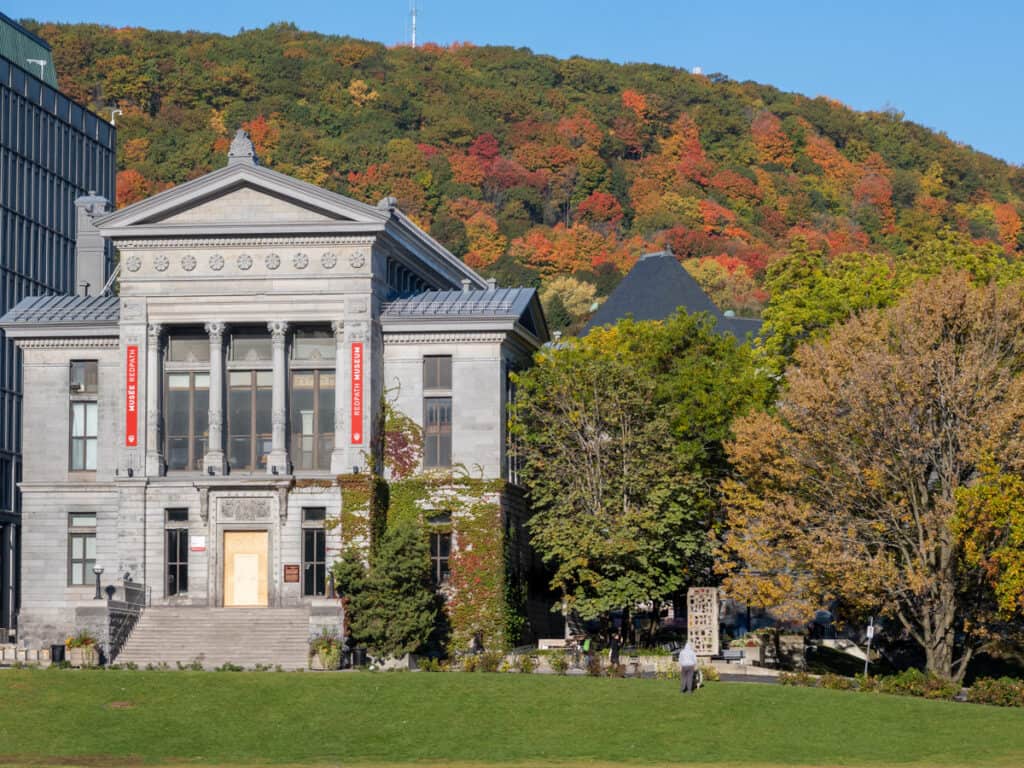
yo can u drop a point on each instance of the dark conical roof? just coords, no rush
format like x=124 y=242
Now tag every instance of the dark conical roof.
x=656 y=287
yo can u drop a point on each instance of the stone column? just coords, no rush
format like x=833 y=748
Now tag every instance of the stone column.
x=154 y=444
x=279 y=448
x=338 y=457
x=215 y=456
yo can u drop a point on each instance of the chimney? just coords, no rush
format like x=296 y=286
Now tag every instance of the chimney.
x=466 y=287
x=492 y=284
x=90 y=247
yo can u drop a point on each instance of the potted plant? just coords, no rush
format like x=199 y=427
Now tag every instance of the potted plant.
x=325 y=651
x=753 y=649
x=82 y=649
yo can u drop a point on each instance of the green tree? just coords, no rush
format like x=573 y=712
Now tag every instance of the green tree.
x=392 y=605
x=621 y=436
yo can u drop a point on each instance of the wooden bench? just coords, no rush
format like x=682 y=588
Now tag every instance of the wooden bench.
x=733 y=654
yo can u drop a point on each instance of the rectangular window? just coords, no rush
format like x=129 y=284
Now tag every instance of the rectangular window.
x=84 y=426
x=440 y=553
x=314 y=557
x=249 y=418
x=437 y=372
x=83 y=384
x=177 y=561
x=312 y=419
x=251 y=346
x=186 y=419
x=81 y=548
x=188 y=349
x=313 y=344
x=437 y=432
x=84 y=377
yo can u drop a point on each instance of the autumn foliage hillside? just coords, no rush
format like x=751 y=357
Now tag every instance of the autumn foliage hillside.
x=531 y=168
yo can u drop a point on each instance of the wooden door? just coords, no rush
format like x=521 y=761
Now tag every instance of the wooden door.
x=245 y=568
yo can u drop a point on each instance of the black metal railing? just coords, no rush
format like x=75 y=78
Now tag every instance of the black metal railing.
x=123 y=614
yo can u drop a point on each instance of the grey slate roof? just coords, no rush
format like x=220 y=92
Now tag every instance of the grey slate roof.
x=63 y=310
x=507 y=306
x=656 y=287
x=492 y=303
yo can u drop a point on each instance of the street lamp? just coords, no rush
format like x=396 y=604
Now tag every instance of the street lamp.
x=97 y=570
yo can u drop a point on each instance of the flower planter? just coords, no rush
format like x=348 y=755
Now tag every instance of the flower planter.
x=84 y=656
x=322 y=661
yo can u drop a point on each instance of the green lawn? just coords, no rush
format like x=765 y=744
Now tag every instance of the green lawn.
x=121 y=717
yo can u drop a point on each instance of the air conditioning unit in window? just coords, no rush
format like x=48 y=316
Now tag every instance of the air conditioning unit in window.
x=77 y=387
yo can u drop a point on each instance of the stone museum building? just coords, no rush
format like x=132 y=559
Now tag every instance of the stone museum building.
x=52 y=151
x=187 y=434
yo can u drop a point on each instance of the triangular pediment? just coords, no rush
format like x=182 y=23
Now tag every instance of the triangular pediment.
x=242 y=205
x=241 y=195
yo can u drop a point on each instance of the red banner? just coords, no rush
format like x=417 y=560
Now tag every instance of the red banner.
x=131 y=417
x=357 y=393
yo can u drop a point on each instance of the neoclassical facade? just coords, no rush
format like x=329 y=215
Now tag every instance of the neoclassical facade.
x=186 y=433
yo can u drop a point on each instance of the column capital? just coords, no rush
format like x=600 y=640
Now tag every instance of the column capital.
x=278 y=329
x=338 y=326
x=154 y=330
x=215 y=328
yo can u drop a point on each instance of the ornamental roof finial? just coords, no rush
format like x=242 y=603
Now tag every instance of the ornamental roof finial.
x=242 y=150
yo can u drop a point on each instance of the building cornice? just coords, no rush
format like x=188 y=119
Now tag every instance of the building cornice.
x=444 y=338
x=157 y=243
x=70 y=342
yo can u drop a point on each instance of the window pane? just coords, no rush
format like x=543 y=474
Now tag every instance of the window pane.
x=437 y=372
x=90 y=453
x=91 y=419
x=202 y=380
x=176 y=410
x=309 y=544
x=240 y=378
x=313 y=345
x=83 y=521
x=177 y=453
x=326 y=405
x=178 y=380
x=265 y=379
x=251 y=347
x=183 y=577
x=84 y=376
x=182 y=545
x=313 y=514
x=188 y=349
x=321 y=545
x=77 y=547
x=177 y=515
x=239 y=452
x=76 y=573
x=78 y=419
x=264 y=413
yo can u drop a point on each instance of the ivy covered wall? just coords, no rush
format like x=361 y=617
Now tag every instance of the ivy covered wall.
x=486 y=589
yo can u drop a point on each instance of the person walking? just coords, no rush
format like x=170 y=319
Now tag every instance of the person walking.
x=614 y=645
x=687 y=666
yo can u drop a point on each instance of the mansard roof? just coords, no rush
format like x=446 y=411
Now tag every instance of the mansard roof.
x=71 y=315
x=493 y=308
x=657 y=286
x=245 y=198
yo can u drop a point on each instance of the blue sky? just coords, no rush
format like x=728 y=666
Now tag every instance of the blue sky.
x=957 y=67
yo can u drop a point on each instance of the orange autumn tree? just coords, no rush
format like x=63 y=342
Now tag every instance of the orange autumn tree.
x=853 y=489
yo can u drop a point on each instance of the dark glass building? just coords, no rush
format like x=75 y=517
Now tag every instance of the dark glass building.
x=52 y=151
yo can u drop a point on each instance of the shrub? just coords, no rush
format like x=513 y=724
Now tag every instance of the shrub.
x=327 y=648
x=837 y=682
x=914 y=682
x=616 y=670
x=431 y=664
x=1002 y=692
x=709 y=673
x=802 y=679
x=595 y=667
x=490 y=661
x=526 y=664
x=227 y=666
x=470 y=663
x=559 y=664
x=868 y=684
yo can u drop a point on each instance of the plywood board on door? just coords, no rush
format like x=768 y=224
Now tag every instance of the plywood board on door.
x=245 y=568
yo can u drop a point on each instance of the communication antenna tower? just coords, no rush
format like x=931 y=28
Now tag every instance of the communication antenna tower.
x=412 y=14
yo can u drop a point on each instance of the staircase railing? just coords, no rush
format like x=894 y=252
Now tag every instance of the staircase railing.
x=124 y=614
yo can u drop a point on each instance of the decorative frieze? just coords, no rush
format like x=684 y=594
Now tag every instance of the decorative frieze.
x=298 y=241
x=245 y=509
x=89 y=342
x=443 y=338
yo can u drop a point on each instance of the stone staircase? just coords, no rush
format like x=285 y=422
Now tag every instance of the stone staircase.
x=213 y=636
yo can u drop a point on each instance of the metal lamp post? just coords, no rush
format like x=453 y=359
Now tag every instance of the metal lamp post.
x=98 y=571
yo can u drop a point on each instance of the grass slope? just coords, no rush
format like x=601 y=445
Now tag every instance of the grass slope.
x=104 y=718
